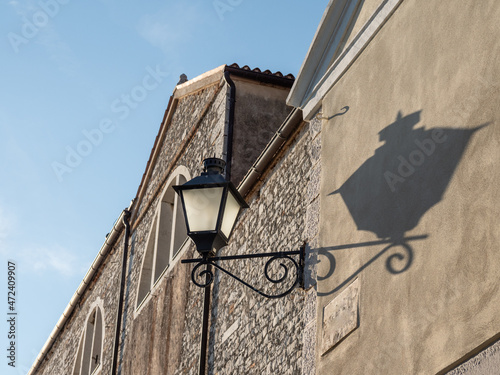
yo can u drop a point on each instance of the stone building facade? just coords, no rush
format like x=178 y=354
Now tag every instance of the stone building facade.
x=380 y=160
x=162 y=309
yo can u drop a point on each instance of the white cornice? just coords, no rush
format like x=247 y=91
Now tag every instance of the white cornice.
x=325 y=61
x=326 y=42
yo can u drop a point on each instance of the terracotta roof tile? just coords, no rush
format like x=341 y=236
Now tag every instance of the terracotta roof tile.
x=257 y=70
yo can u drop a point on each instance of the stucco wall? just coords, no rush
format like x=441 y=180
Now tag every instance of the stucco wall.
x=415 y=154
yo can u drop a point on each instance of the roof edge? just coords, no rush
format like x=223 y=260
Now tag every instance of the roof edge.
x=318 y=74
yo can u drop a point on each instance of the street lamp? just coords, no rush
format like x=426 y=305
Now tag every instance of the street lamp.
x=210 y=205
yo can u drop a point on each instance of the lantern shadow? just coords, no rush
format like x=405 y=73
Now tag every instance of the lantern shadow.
x=391 y=191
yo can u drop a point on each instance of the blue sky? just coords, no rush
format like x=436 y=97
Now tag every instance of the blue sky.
x=83 y=90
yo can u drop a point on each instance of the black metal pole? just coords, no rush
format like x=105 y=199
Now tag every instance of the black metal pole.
x=228 y=129
x=205 y=324
x=114 y=367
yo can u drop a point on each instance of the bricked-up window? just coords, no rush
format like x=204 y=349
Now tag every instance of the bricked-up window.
x=88 y=359
x=166 y=237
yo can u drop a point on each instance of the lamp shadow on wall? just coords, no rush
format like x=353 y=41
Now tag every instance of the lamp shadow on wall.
x=391 y=191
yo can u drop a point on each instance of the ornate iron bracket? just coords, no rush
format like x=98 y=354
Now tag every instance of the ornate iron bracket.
x=213 y=260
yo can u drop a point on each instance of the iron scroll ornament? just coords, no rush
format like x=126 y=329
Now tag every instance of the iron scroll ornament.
x=288 y=255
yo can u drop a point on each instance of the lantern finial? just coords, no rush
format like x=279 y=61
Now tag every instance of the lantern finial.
x=213 y=165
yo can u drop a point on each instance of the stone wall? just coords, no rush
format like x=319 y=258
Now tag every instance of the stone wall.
x=163 y=335
x=249 y=334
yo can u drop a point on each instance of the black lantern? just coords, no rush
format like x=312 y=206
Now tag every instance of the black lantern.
x=211 y=205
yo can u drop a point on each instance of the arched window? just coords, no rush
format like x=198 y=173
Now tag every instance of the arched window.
x=166 y=236
x=89 y=357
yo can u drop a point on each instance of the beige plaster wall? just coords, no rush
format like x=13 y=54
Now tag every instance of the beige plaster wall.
x=415 y=154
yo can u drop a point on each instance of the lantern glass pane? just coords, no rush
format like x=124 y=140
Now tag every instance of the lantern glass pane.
x=202 y=207
x=230 y=213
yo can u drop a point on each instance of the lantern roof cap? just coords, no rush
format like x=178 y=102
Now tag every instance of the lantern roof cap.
x=214 y=165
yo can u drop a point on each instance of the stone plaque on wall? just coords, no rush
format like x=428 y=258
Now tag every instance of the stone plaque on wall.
x=340 y=317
